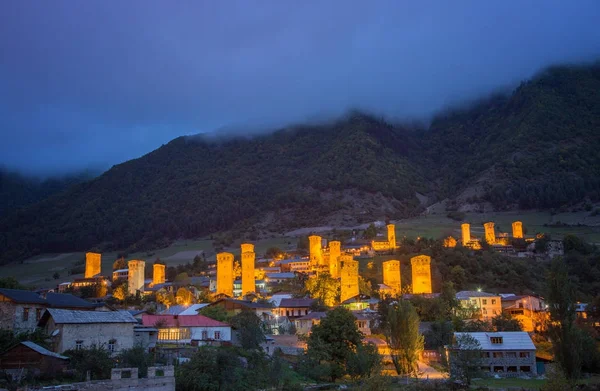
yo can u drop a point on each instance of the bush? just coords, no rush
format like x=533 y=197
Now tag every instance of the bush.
x=455 y=215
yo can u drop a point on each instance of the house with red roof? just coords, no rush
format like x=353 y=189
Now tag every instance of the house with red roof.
x=188 y=329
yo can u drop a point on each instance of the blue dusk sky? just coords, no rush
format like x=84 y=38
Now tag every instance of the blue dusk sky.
x=88 y=84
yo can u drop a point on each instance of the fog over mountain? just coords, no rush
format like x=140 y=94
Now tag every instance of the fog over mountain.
x=91 y=84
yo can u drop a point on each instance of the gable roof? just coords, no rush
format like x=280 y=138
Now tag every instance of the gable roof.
x=67 y=300
x=181 y=321
x=467 y=294
x=42 y=350
x=296 y=303
x=61 y=316
x=511 y=340
x=22 y=296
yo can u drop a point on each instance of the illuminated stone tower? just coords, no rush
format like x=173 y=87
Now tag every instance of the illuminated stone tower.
x=92 y=264
x=391 y=275
x=225 y=274
x=334 y=258
x=135 y=276
x=490 y=235
x=349 y=277
x=391 y=234
x=517 y=228
x=421 y=274
x=466 y=233
x=316 y=254
x=248 y=283
x=158 y=274
x=247 y=248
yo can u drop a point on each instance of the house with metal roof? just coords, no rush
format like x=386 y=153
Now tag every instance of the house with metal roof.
x=22 y=309
x=188 y=329
x=479 y=305
x=506 y=354
x=74 y=329
x=32 y=358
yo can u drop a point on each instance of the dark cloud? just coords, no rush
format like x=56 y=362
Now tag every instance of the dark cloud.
x=94 y=83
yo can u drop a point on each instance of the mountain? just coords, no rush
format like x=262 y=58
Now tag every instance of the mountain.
x=532 y=149
x=17 y=190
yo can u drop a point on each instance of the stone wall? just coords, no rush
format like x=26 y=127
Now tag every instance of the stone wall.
x=98 y=333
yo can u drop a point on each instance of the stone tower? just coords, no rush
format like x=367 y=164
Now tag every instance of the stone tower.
x=247 y=248
x=450 y=242
x=316 y=254
x=391 y=234
x=490 y=235
x=92 y=264
x=248 y=283
x=158 y=274
x=349 y=277
x=466 y=233
x=421 y=274
x=334 y=261
x=135 y=276
x=391 y=275
x=225 y=274
x=517 y=228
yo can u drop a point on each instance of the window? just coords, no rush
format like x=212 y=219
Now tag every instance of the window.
x=78 y=344
x=511 y=354
x=111 y=345
x=493 y=301
x=524 y=354
x=496 y=339
x=38 y=314
x=484 y=301
x=204 y=334
x=498 y=355
x=25 y=314
x=485 y=311
x=217 y=335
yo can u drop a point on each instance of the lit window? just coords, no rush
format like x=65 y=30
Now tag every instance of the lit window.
x=496 y=340
x=25 y=314
x=217 y=335
x=493 y=301
x=78 y=344
x=524 y=354
x=38 y=313
x=484 y=301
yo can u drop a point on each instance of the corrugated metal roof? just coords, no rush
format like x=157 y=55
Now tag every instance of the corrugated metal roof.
x=181 y=321
x=511 y=340
x=295 y=303
x=22 y=296
x=75 y=316
x=42 y=350
x=67 y=300
x=467 y=294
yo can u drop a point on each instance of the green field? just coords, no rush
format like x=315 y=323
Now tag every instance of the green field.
x=38 y=271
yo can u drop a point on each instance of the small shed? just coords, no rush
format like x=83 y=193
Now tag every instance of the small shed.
x=32 y=357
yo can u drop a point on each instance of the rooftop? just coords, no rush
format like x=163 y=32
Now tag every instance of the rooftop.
x=181 y=321
x=511 y=340
x=468 y=294
x=42 y=350
x=61 y=316
x=296 y=303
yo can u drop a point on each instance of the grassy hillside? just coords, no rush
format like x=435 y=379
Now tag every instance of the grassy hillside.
x=535 y=149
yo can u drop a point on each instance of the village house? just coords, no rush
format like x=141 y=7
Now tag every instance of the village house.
x=120 y=274
x=531 y=311
x=73 y=329
x=293 y=308
x=21 y=309
x=297 y=265
x=506 y=354
x=31 y=358
x=479 y=305
x=279 y=278
x=305 y=323
x=188 y=329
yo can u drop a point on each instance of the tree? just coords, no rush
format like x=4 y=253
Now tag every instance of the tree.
x=120 y=263
x=323 y=288
x=136 y=357
x=332 y=342
x=274 y=253
x=165 y=298
x=10 y=283
x=215 y=312
x=370 y=232
x=250 y=330
x=121 y=291
x=364 y=286
x=56 y=275
x=365 y=362
x=403 y=338
x=505 y=322
x=184 y=296
x=465 y=358
x=564 y=334
x=95 y=359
